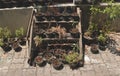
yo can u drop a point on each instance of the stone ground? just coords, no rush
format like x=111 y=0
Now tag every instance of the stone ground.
x=103 y=64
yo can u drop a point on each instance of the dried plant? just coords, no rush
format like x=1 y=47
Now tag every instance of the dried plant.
x=60 y=30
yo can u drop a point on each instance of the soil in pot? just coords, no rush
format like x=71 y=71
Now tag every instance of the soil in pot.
x=94 y=49
x=48 y=56
x=22 y=42
x=75 y=33
x=40 y=61
x=57 y=64
x=102 y=47
x=16 y=47
x=6 y=47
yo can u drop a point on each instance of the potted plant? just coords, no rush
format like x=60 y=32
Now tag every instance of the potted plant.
x=16 y=46
x=57 y=64
x=73 y=58
x=4 y=35
x=4 y=46
x=19 y=33
x=94 y=49
x=40 y=61
x=102 y=39
x=48 y=56
x=37 y=40
x=75 y=33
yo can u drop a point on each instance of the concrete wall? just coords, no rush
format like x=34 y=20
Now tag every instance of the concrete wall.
x=15 y=18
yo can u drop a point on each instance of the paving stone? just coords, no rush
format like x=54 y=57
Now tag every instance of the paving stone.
x=114 y=72
x=77 y=73
x=3 y=72
x=87 y=67
x=47 y=72
x=23 y=53
x=88 y=73
x=58 y=71
x=112 y=65
x=40 y=71
x=99 y=67
x=18 y=72
x=16 y=55
x=18 y=61
x=26 y=65
x=87 y=60
x=98 y=74
x=105 y=58
x=59 y=74
x=112 y=57
x=16 y=66
x=5 y=58
x=48 y=66
x=4 y=67
x=117 y=58
x=29 y=72
x=96 y=58
x=11 y=72
x=69 y=71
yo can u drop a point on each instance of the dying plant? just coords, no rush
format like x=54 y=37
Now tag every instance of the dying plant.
x=60 y=30
x=38 y=40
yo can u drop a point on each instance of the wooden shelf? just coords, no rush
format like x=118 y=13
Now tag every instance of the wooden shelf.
x=61 y=39
x=59 y=22
x=64 y=44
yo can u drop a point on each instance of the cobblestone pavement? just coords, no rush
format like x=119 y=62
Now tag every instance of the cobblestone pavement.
x=103 y=64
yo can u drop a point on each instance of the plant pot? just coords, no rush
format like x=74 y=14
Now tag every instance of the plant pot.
x=57 y=64
x=62 y=58
x=74 y=65
x=48 y=56
x=94 y=49
x=75 y=35
x=89 y=40
x=6 y=47
x=22 y=42
x=57 y=53
x=16 y=47
x=40 y=61
x=102 y=47
x=53 y=35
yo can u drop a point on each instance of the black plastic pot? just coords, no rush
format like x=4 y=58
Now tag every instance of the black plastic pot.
x=48 y=56
x=75 y=35
x=102 y=48
x=94 y=49
x=57 y=64
x=6 y=47
x=74 y=65
x=40 y=61
x=22 y=42
x=16 y=47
